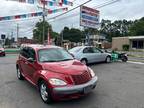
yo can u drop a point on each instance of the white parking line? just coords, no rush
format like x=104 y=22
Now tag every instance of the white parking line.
x=135 y=62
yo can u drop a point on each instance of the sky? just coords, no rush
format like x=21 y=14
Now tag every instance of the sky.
x=123 y=9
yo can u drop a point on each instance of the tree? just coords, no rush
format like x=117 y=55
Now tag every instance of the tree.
x=38 y=31
x=137 y=28
x=73 y=34
x=7 y=41
x=118 y=28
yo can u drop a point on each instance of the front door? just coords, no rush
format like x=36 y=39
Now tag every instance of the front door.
x=31 y=65
x=99 y=57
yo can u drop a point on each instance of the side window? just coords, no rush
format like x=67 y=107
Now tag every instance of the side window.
x=24 y=52
x=88 y=50
x=96 y=50
x=31 y=53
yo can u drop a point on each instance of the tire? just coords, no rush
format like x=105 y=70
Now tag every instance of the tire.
x=4 y=55
x=108 y=59
x=124 y=59
x=84 y=61
x=45 y=93
x=19 y=75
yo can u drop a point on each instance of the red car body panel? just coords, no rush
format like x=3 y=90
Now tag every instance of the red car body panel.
x=63 y=70
x=2 y=52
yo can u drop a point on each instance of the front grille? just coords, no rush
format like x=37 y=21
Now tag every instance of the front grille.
x=82 y=78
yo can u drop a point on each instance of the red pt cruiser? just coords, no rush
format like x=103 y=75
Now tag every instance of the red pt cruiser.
x=55 y=73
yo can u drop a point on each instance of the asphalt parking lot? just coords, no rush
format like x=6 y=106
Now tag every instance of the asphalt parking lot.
x=121 y=85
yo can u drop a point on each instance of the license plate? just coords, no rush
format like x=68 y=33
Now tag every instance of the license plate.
x=87 y=89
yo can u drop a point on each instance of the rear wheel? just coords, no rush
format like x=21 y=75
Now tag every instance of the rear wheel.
x=124 y=59
x=45 y=92
x=19 y=75
x=84 y=61
x=108 y=59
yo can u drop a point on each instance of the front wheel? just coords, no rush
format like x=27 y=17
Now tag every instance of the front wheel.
x=19 y=75
x=124 y=59
x=45 y=92
x=84 y=61
x=108 y=59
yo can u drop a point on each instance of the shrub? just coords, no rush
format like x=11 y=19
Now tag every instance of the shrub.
x=126 y=47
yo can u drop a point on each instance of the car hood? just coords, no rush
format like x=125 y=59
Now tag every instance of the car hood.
x=71 y=67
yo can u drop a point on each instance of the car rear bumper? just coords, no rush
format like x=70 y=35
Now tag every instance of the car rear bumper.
x=2 y=53
x=77 y=89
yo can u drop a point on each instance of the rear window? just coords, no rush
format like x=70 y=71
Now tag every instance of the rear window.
x=76 y=49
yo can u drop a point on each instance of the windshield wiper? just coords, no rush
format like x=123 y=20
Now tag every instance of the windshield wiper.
x=49 y=61
x=66 y=59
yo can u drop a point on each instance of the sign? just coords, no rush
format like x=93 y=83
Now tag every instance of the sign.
x=89 y=17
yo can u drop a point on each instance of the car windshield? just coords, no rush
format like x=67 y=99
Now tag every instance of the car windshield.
x=76 y=49
x=53 y=55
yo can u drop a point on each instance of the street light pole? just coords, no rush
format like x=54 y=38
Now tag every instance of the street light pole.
x=17 y=32
x=43 y=37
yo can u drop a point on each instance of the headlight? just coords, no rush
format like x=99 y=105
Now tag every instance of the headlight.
x=91 y=72
x=57 y=82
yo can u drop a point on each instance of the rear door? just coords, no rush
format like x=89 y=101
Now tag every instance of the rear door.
x=23 y=60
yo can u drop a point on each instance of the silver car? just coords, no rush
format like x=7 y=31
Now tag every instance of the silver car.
x=90 y=54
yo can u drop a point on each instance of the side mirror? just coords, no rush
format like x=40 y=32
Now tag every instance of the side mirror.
x=31 y=60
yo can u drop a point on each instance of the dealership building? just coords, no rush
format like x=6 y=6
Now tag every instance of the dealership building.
x=134 y=42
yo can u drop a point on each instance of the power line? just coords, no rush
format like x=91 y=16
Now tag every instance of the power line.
x=69 y=10
x=39 y=17
x=76 y=14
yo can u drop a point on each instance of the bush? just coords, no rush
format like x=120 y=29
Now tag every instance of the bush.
x=126 y=47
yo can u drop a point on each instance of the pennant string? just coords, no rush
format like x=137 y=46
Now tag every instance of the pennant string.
x=34 y=14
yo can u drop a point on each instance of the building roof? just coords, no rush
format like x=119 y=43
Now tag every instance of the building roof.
x=136 y=37
x=130 y=37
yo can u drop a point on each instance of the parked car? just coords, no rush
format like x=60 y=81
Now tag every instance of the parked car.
x=90 y=54
x=55 y=73
x=2 y=51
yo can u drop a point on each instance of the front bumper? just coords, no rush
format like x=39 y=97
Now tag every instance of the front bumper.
x=80 y=89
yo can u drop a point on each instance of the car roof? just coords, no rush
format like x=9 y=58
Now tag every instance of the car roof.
x=38 y=46
x=83 y=46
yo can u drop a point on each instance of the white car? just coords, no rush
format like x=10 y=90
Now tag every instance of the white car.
x=90 y=54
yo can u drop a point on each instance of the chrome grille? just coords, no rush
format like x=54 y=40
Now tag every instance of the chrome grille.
x=82 y=78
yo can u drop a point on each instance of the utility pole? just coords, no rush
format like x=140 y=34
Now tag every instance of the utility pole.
x=62 y=38
x=44 y=13
x=17 y=32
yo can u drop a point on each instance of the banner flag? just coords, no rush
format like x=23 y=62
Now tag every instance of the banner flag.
x=65 y=2
x=34 y=14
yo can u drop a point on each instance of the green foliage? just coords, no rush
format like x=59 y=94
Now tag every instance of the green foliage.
x=126 y=47
x=118 y=28
x=137 y=28
x=38 y=31
x=73 y=35
x=7 y=41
